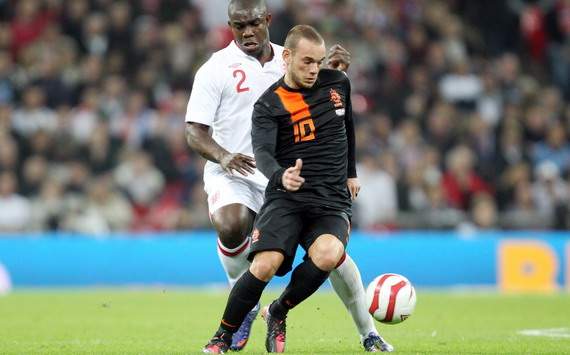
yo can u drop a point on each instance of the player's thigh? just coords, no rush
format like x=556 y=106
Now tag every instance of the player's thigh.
x=318 y=223
x=278 y=228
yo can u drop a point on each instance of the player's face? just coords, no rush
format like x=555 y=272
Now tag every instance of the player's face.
x=250 y=28
x=304 y=62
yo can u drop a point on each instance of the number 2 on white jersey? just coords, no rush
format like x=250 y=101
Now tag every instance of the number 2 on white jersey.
x=239 y=86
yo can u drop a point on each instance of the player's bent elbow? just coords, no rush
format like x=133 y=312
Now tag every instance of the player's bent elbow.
x=195 y=131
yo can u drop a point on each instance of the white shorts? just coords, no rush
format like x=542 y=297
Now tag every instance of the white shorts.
x=224 y=189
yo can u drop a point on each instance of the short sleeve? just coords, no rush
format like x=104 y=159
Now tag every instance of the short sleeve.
x=205 y=96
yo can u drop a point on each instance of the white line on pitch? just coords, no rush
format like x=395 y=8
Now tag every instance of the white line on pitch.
x=550 y=333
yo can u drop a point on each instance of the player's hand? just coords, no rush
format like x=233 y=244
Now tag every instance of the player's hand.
x=338 y=58
x=241 y=163
x=291 y=179
x=353 y=187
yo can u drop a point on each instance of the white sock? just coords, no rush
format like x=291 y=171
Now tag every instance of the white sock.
x=234 y=260
x=347 y=283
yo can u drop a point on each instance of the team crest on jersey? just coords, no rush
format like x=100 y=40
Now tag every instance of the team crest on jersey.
x=336 y=99
x=255 y=235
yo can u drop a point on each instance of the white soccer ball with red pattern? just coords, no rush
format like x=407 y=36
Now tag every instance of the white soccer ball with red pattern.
x=391 y=298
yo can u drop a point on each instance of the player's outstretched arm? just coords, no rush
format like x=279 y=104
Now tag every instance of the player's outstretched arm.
x=199 y=139
x=338 y=58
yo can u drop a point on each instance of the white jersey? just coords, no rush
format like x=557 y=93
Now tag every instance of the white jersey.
x=223 y=94
x=225 y=89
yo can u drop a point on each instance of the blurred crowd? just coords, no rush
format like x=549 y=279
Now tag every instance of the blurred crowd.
x=462 y=110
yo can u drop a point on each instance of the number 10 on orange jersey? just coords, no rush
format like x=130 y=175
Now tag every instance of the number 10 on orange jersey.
x=303 y=124
x=304 y=130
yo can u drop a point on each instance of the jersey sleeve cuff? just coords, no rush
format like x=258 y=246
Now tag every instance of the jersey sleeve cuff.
x=277 y=178
x=199 y=118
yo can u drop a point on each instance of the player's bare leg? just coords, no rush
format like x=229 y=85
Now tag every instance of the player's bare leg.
x=347 y=283
x=233 y=224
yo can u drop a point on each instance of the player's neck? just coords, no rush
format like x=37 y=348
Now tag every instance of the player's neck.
x=266 y=55
x=290 y=82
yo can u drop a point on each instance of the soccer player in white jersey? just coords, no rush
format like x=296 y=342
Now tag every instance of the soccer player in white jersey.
x=223 y=94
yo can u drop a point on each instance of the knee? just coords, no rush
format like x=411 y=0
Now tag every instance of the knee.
x=265 y=265
x=231 y=232
x=326 y=253
x=230 y=237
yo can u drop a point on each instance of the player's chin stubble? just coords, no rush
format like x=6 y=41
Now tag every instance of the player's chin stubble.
x=299 y=81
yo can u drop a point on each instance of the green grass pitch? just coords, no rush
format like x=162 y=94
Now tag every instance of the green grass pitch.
x=179 y=321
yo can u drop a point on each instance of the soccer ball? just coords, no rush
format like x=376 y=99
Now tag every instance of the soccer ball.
x=391 y=298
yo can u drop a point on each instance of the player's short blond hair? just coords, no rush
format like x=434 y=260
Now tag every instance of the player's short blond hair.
x=302 y=31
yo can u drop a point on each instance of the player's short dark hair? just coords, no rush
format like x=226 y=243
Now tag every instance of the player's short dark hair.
x=302 y=31
x=246 y=4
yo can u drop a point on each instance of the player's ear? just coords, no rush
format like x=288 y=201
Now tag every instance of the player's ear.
x=268 y=19
x=287 y=55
